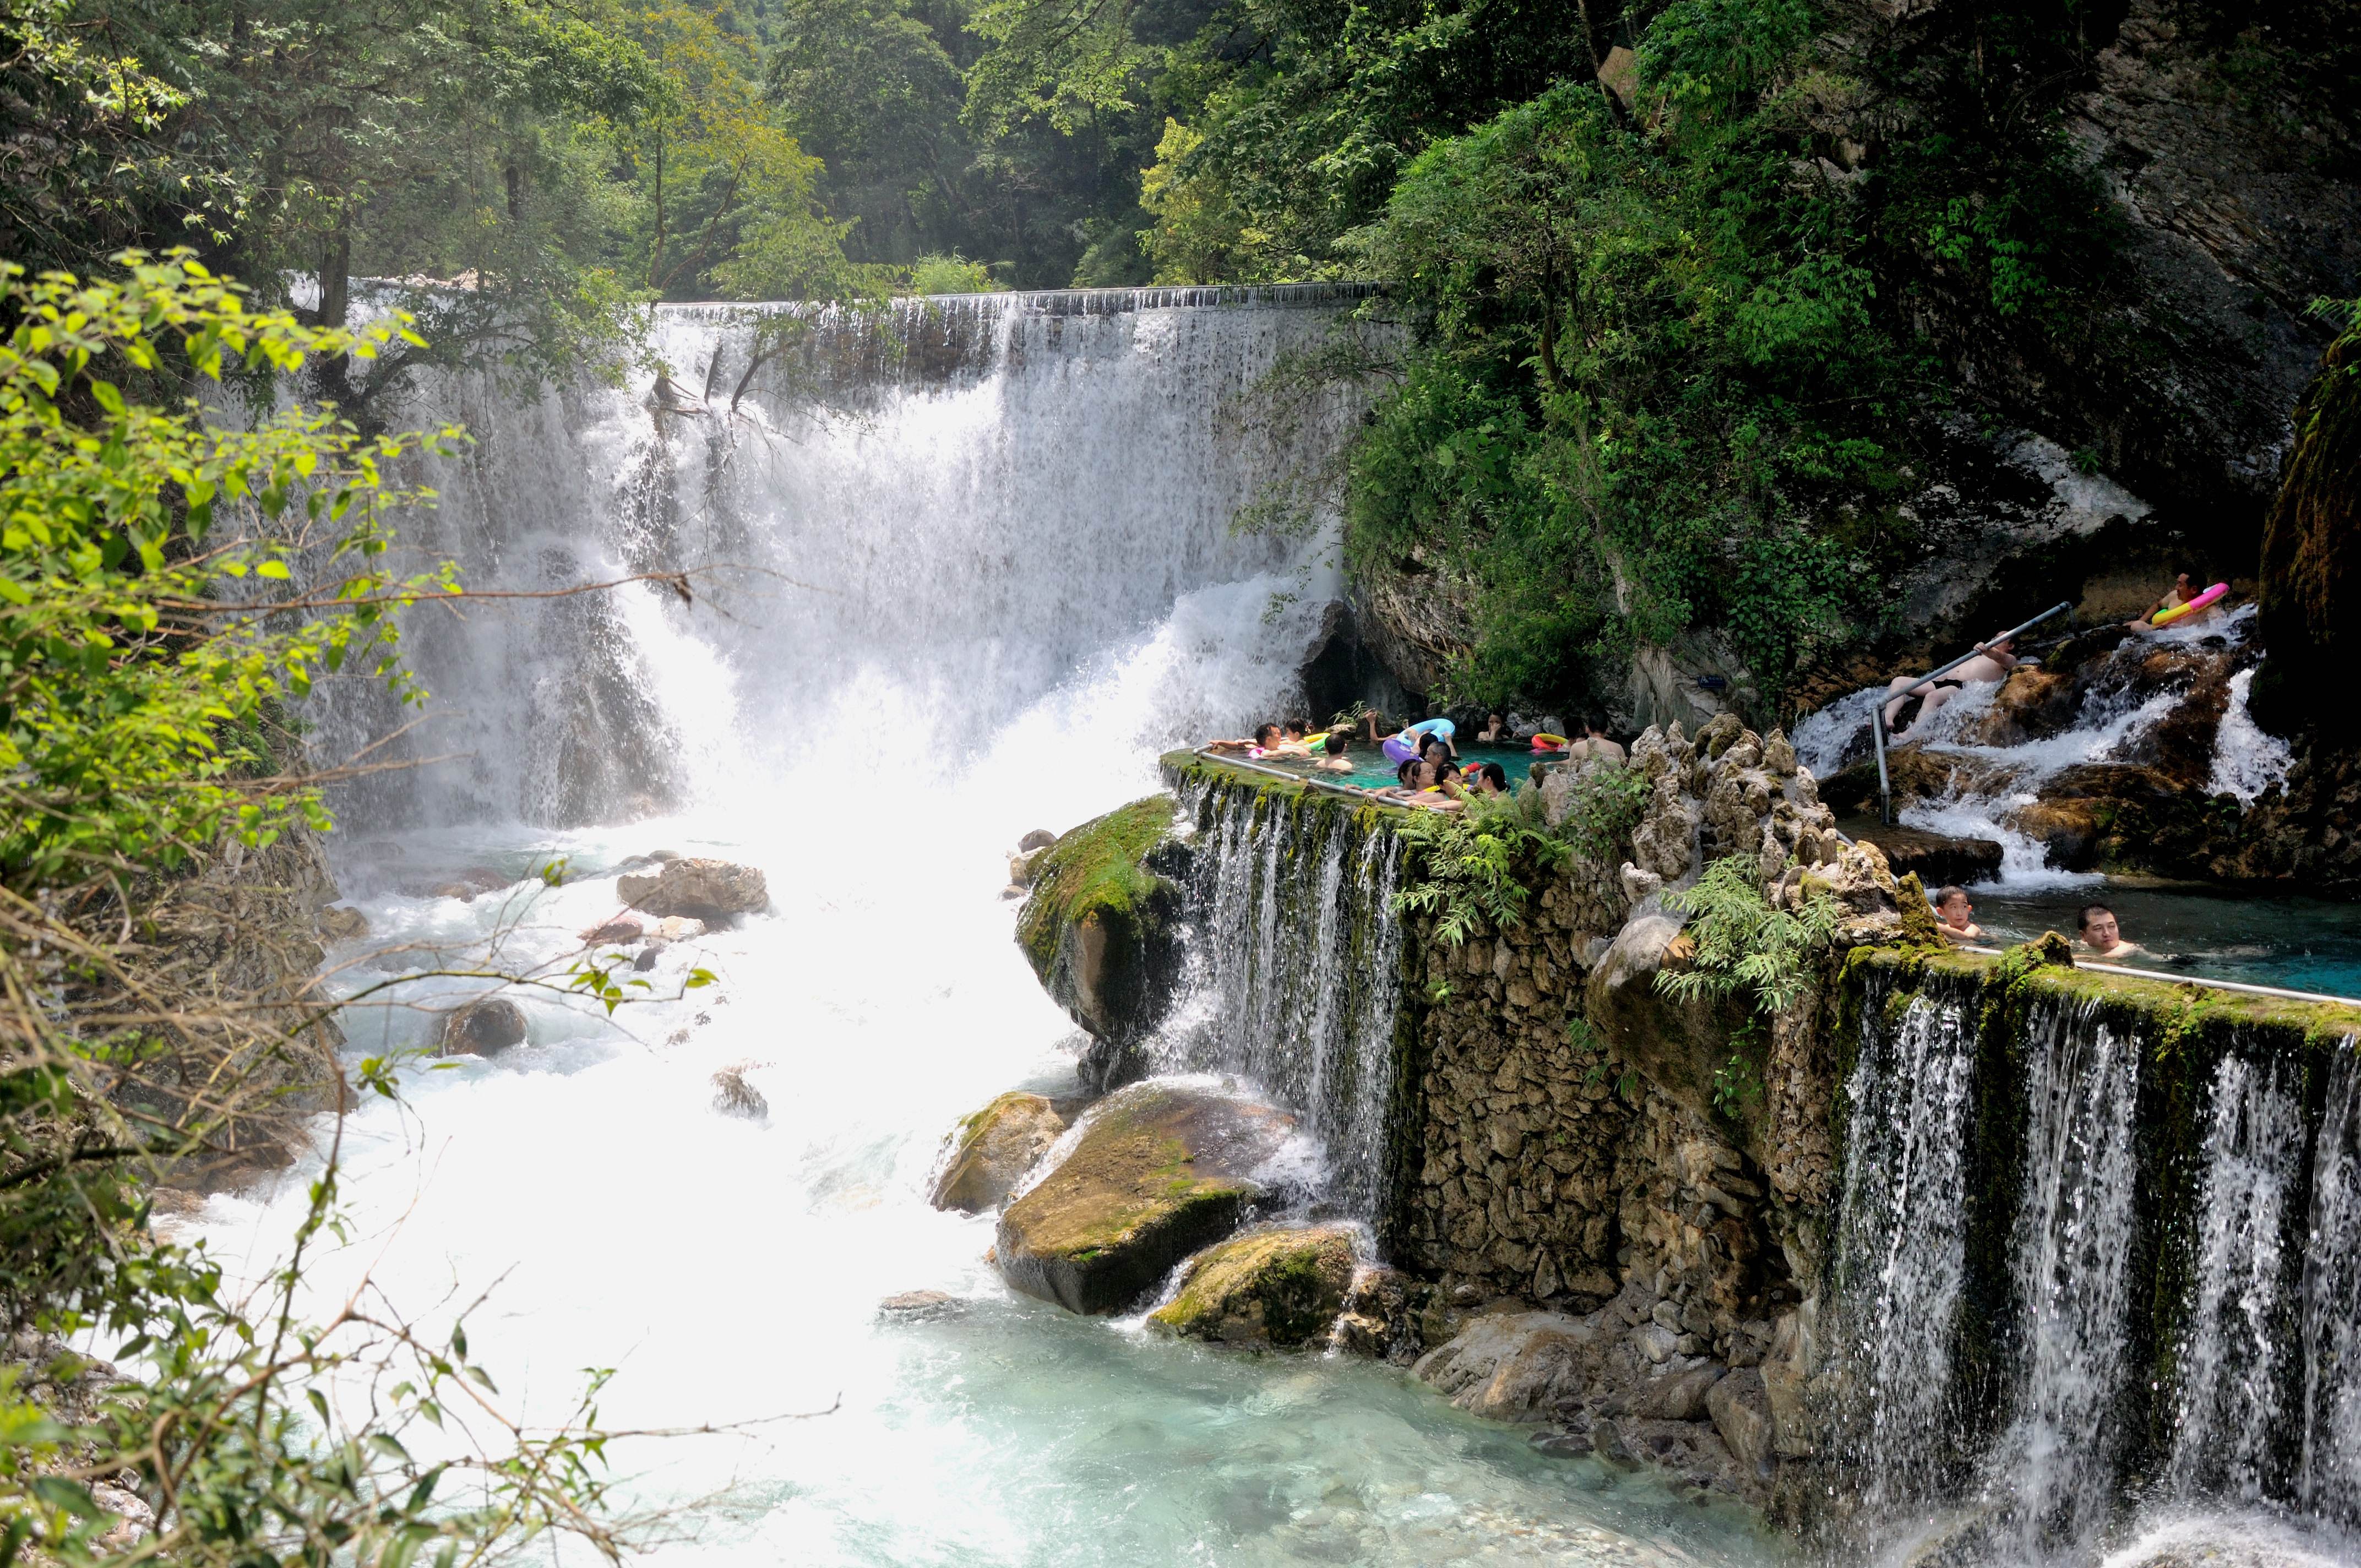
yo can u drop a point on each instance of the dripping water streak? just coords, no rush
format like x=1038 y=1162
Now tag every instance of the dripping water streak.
x=2228 y=1402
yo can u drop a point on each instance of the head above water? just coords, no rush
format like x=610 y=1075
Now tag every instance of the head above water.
x=2098 y=928
x=1339 y=742
x=1296 y=729
x=1265 y=735
x=1951 y=902
x=1595 y=725
x=1491 y=776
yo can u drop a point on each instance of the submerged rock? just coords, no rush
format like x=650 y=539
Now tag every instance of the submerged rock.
x=483 y=1029
x=621 y=930
x=1279 y=1288
x=918 y=1305
x=698 y=889
x=1102 y=931
x=995 y=1148
x=1159 y=1172
x=733 y=1096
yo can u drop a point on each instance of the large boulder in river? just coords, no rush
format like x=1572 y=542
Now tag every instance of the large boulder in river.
x=1100 y=928
x=1158 y=1172
x=993 y=1150
x=1277 y=1288
x=483 y=1029
x=699 y=889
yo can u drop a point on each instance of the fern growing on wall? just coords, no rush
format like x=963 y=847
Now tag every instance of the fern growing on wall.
x=1743 y=943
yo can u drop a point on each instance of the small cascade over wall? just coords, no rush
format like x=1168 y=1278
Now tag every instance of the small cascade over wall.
x=2095 y=1252
x=1294 y=966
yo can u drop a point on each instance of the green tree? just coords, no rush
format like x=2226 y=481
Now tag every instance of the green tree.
x=166 y=581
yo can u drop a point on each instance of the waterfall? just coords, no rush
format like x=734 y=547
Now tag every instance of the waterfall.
x=2073 y=1247
x=1295 y=964
x=906 y=528
x=2120 y=1282
x=2329 y=1482
x=1901 y=1254
x=2231 y=1357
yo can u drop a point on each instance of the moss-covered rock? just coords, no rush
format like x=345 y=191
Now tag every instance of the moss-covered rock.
x=1277 y=1288
x=1159 y=1172
x=993 y=1148
x=1100 y=929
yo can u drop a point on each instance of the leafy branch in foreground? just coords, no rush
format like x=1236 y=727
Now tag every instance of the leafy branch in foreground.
x=1744 y=944
x=160 y=1019
x=126 y=722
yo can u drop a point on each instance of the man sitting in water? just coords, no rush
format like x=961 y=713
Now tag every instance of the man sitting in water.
x=1333 y=752
x=1598 y=743
x=1989 y=667
x=1265 y=737
x=2183 y=590
x=1955 y=916
x=2101 y=936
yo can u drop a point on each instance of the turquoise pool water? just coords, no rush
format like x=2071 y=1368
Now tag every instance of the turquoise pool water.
x=1371 y=770
x=2303 y=944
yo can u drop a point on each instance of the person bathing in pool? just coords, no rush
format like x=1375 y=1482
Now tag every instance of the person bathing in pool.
x=2101 y=936
x=1488 y=779
x=1496 y=731
x=1334 y=752
x=1989 y=667
x=1955 y=917
x=1265 y=737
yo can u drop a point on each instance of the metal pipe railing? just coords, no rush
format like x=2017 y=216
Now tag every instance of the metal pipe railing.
x=1877 y=713
x=2242 y=987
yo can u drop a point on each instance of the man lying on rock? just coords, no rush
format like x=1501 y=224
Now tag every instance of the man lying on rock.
x=1989 y=667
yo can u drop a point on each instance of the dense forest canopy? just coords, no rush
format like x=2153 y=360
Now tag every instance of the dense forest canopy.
x=1675 y=274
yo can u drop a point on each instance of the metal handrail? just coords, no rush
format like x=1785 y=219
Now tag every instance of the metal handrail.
x=1877 y=711
x=1333 y=788
x=2238 y=985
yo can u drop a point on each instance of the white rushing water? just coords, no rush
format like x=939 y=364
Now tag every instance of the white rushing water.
x=2120 y=707
x=1902 y=1244
x=978 y=604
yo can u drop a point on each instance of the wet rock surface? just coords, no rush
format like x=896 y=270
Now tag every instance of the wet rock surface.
x=1280 y=1289
x=992 y=1149
x=483 y=1029
x=1158 y=1172
x=1615 y=1382
x=696 y=889
x=1101 y=927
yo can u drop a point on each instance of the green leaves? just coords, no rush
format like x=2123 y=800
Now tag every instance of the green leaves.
x=135 y=690
x=1744 y=945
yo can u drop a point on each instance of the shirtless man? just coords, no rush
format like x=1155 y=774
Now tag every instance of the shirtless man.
x=1266 y=737
x=2100 y=934
x=1991 y=665
x=2183 y=590
x=1955 y=917
x=1599 y=745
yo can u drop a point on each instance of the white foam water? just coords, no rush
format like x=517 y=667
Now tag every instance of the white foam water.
x=979 y=603
x=1902 y=1246
x=2248 y=761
